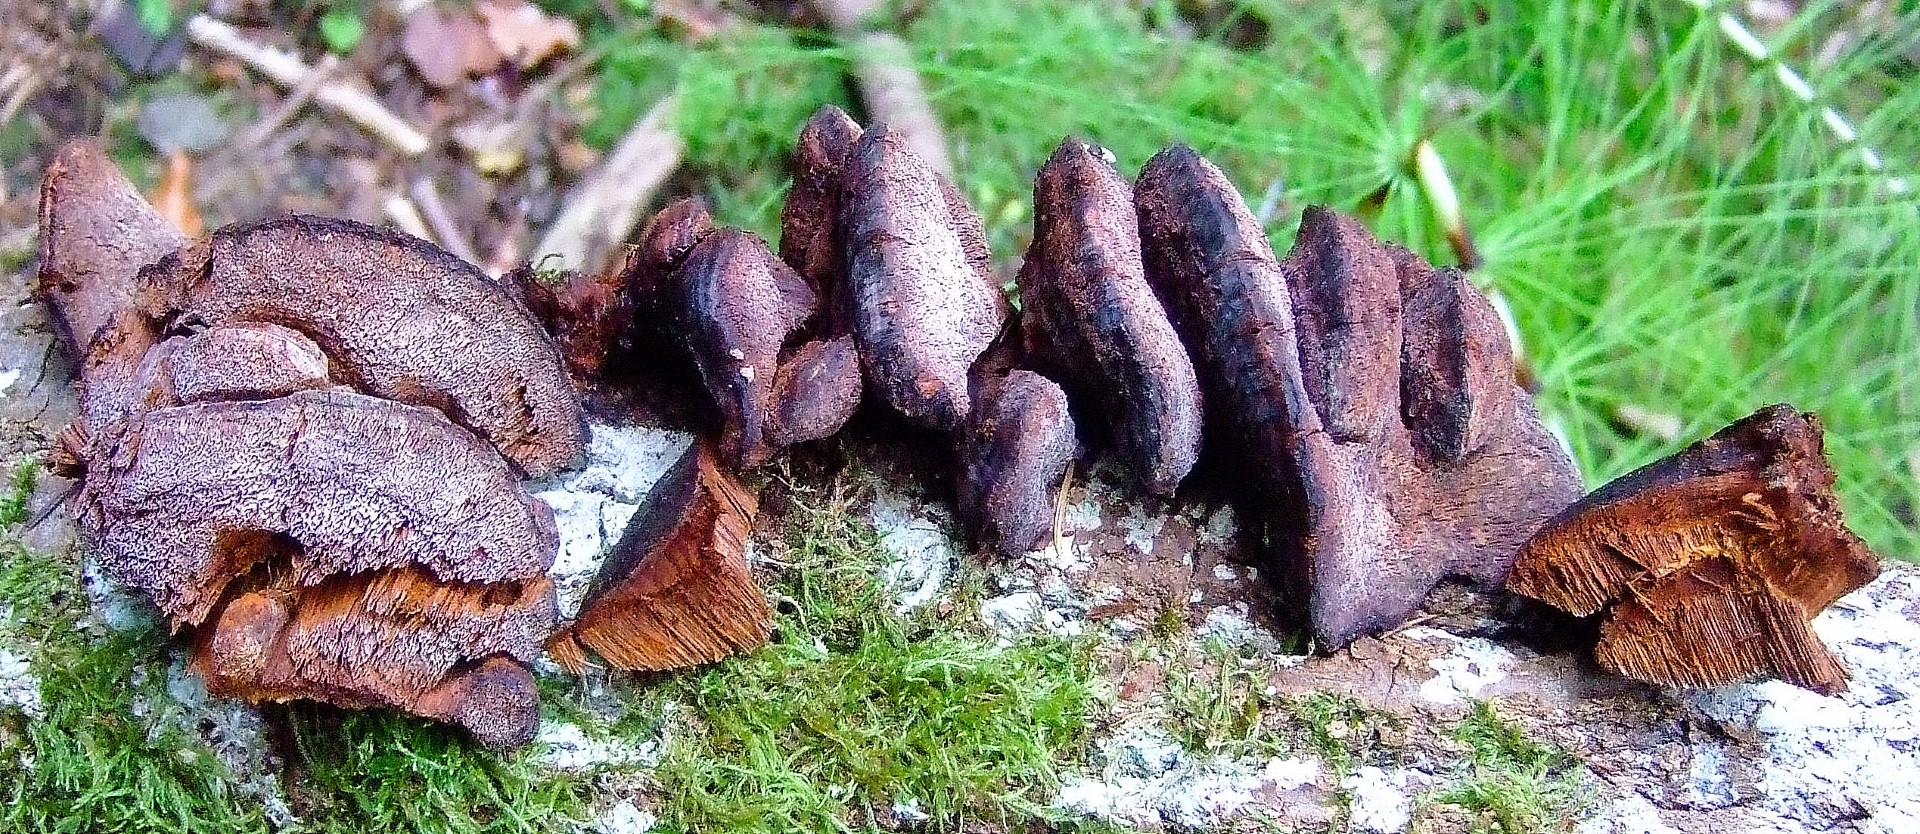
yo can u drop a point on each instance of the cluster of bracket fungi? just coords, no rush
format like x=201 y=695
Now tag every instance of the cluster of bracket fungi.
x=306 y=440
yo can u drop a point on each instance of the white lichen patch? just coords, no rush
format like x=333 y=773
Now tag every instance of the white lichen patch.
x=624 y=817
x=566 y=746
x=1141 y=529
x=593 y=502
x=1631 y=814
x=19 y=686
x=1850 y=761
x=1380 y=802
x=1020 y=612
x=8 y=377
x=113 y=605
x=1232 y=624
x=1466 y=671
x=920 y=553
x=1147 y=778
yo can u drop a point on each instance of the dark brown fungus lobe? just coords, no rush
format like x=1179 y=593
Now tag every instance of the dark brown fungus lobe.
x=809 y=228
x=1014 y=451
x=1090 y=313
x=96 y=231
x=676 y=590
x=1375 y=393
x=175 y=504
x=736 y=306
x=815 y=392
x=1709 y=564
x=924 y=307
x=664 y=245
x=393 y=638
x=400 y=319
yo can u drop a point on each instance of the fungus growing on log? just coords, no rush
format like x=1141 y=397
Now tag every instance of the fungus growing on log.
x=295 y=440
x=1090 y=313
x=810 y=218
x=1373 y=395
x=923 y=305
x=1709 y=564
x=676 y=590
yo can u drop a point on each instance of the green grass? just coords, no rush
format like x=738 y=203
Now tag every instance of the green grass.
x=854 y=708
x=1672 y=230
x=1517 y=785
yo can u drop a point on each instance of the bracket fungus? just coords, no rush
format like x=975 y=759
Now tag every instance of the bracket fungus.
x=1709 y=564
x=1373 y=394
x=676 y=590
x=924 y=308
x=1089 y=312
x=303 y=439
x=743 y=316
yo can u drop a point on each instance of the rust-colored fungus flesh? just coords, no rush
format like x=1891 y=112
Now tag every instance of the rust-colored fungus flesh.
x=923 y=305
x=1709 y=564
x=1373 y=394
x=676 y=590
x=303 y=440
x=1090 y=313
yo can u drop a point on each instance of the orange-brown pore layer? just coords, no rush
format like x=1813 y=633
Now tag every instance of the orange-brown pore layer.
x=676 y=590
x=1711 y=563
x=394 y=638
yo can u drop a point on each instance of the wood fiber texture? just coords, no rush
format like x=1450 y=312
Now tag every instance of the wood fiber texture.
x=1708 y=565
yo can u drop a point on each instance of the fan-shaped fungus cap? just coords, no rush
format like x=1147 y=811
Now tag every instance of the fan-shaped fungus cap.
x=174 y=505
x=923 y=306
x=1710 y=563
x=400 y=319
x=96 y=231
x=1090 y=312
x=1014 y=453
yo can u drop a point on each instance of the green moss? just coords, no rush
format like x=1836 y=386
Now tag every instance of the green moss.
x=1516 y=785
x=854 y=708
x=89 y=764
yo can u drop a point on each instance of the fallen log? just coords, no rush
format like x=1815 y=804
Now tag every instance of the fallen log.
x=1708 y=565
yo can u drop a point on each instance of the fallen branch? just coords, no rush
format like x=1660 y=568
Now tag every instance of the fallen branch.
x=287 y=70
x=883 y=66
x=603 y=208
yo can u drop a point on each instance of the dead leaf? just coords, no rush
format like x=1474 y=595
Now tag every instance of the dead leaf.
x=523 y=33
x=447 y=46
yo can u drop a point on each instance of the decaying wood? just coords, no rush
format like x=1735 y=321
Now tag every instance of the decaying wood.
x=1374 y=394
x=1709 y=564
x=676 y=590
x=1090 y=312
x=299 y=438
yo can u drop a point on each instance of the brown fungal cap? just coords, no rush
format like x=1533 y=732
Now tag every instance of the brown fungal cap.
x=676 y=590
x=1375 y=395
x=249 y=361
x=1014 y=452
x=923 y=306
x=395 y=638
x=400 y=319
x=736 y=306
x=664 y=244
x=1090 y=312
x=808 y=220
x=816 y=391
x=96 y=231
x=1710 y=563
x=176 y=505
